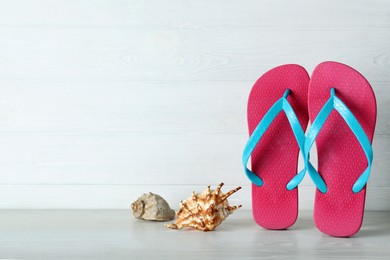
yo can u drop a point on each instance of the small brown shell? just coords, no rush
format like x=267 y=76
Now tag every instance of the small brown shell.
x=204 y=211
x=151 y=206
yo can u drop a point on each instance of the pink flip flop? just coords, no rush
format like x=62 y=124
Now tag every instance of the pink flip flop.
x=274 y=144
x=342 y=110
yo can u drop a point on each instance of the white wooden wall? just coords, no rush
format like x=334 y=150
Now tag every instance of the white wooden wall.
x=101 y=101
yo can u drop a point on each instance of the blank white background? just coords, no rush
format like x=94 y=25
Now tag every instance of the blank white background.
x=101 y=101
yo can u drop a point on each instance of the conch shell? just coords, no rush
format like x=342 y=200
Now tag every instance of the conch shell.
x=204 y=211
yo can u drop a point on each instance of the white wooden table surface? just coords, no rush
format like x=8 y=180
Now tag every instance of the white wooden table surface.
x=115 y=234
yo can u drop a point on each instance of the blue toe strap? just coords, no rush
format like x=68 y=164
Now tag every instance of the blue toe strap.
x=334 y=103
x=281 y=105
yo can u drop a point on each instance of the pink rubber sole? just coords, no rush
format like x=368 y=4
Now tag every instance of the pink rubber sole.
x=275 y=158
x=341 y=160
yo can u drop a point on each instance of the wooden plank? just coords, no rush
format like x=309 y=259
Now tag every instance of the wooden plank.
x=160 y=107
x=180 y=159
x=192 y=54
x=120 y=159
x=121 y=196
x=194 y=14
x=123 y=107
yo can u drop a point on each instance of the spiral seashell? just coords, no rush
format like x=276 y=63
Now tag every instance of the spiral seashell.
x=204 y=211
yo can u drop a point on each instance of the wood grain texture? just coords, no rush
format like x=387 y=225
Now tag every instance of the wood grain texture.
x=188 y=159
x=203 y=54
x=67 y=196
x=194 y=14
x=144 y=107
x=137 y=93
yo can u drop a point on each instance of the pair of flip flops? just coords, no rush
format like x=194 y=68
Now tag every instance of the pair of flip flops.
x=341 y=107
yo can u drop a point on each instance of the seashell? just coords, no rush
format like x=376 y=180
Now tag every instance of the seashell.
x=204 y=211
x=151 y=206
